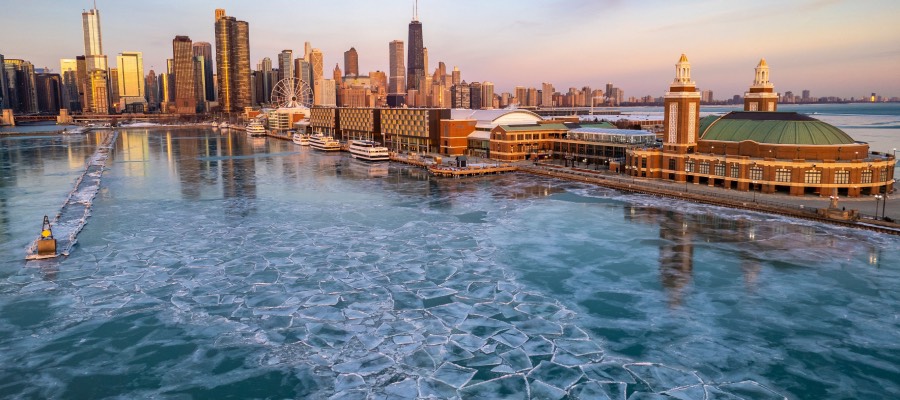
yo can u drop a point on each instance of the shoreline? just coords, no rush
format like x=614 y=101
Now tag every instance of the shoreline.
x=736 y=202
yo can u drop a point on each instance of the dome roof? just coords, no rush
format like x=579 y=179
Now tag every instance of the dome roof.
x=773 y=128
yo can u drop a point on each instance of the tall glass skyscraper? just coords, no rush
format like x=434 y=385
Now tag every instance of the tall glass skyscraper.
x=183 y=52
x=232 y=62
x=415 y=71
x=204 y=49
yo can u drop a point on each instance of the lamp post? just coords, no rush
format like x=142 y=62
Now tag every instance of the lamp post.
x=878 y=198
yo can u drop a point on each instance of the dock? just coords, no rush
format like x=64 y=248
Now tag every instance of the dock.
x=478 y=170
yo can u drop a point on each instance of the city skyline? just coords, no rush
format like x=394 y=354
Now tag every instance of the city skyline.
x=833 y=48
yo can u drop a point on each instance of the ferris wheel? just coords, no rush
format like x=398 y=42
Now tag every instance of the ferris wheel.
x=291 y=93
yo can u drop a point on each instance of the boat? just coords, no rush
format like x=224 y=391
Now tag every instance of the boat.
x=324 y=143
x=256 y=128
x=224 y=125
x=367 y=150
x=300 y=139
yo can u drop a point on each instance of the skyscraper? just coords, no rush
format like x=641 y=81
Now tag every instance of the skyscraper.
x=397 y=85
x=351 y=62
x=487 y=95
x=93 y=44
x=204 y=49
x=152 y=91
x=185 y=100
x=285 y=64
x=415 y=70
x=456 y=76
x=4 y=87
x=547 y=91
x=131 y=80
x=95 y=63
x=232 y=62
x=68 y=70
x=316 y=60
x=112 y=78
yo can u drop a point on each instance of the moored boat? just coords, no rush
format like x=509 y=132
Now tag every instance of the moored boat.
x=324 y=143
x=256 y=128
x=300 y=139
x=367 y=150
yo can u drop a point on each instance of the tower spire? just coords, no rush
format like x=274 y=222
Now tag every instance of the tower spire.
x=416 y=11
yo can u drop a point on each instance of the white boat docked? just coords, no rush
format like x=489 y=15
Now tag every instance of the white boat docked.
x=324 y=143
x=300 y=139
x=256 y=128
x=368 y=151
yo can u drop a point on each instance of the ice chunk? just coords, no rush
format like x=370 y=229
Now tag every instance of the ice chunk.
x=482 y=327
x=517 y=359
x=429 y=294
x=323 y=300
x=420 y=359
x=541 y=390
x=511 y=387
x=367 y=365
x=483 y=360
x=578 y=347
x=538 y=346
x=348 y=381
x=688 y=393
x=511 y=337
x=607 y=372
x=554 y=374
x=454 y=375
x=468 y=342
x=322 y=313
x=431 y=388
x=598 y=391
x=660 y=377
x=538 y=326
x=405 y=389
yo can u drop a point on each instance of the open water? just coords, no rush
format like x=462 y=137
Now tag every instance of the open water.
x=217 y=266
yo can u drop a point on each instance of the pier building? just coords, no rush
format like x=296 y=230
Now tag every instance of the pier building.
x=758 y=148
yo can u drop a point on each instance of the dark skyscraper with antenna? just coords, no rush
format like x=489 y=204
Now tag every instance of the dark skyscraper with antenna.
x=415 y=70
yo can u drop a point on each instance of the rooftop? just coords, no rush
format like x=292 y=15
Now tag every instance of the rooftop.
x=772 y=128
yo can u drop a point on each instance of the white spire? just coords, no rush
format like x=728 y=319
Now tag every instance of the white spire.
x=416 y=11
x=762 y=74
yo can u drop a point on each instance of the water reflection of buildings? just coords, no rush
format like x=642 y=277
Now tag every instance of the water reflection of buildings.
x=679 y=233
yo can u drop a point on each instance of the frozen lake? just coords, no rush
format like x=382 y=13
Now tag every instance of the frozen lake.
x=221 y=266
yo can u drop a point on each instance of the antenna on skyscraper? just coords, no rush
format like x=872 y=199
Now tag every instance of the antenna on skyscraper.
x=415 y=11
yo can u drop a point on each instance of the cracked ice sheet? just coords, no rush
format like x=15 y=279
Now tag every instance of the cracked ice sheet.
x=327 y=296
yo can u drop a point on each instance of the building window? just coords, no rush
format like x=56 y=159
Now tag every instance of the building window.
x=689 y=166
x=704 y=167
x=673 y=123
x=643 y=162
x=813 y=177
x=671 y=164
x=735 y=171
x=782 y=175
x=883 y=175
x=756 y=173
x=720 y=169
x=866 y=176
x=692 y=124
x=842 y=177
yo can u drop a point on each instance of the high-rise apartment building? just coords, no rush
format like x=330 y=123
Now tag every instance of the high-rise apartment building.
x=112 y=77
x=151 y=84
x=415 y=71
x=95 y=63
x=48 y=88
x=4 y=87
x=397 y=85
x=547 y=91
x=487 y=95
x=285 y=64
x=232 y=62
x=204 y=49
x=351 y=62
x=316 y=60
x=185 y=99
x=475 y=100
x=456 y=76
x=68 y=70
x=131 y=80
x=199 y=63
x=806 y=95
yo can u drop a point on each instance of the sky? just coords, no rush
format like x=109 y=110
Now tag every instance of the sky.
x=846 y=48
